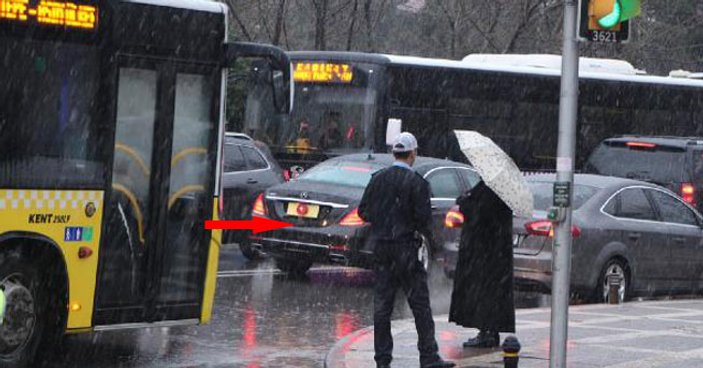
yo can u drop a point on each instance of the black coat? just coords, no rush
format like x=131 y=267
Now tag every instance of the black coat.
x=483 y=284
x=397 y=204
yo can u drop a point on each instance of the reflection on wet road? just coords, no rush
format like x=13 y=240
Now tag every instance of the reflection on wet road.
x=260 y=319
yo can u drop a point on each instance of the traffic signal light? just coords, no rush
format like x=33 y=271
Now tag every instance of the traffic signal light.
x=607 y=20
x=609 y=14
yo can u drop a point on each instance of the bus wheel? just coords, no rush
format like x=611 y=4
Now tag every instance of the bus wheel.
x=19 y=335
x=26 y=315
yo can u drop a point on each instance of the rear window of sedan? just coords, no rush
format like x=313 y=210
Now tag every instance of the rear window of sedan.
x=349 y=173
x=543 y=192
x=638 y=160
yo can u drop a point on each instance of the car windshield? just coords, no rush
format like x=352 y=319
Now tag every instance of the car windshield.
x=350 y=173
x=543 y=193
x=660 y=165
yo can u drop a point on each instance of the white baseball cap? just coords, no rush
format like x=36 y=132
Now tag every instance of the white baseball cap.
x=404 y=142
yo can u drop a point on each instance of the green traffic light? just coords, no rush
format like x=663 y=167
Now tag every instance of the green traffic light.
x=612 y=19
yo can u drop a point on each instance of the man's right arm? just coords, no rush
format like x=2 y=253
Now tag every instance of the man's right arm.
x=422 y=204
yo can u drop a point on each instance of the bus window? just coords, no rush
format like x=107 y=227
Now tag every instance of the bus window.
x=128 y=212
x=328 y=117
x=190 y=190
x=47 y=115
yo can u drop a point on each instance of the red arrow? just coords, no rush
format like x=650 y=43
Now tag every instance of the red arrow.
x=256 y=225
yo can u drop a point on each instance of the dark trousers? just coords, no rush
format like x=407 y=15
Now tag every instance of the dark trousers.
x=397 y=267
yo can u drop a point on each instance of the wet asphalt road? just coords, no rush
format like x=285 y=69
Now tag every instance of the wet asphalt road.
x=260 y=319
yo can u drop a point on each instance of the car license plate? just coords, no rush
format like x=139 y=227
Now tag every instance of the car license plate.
x=303 y=210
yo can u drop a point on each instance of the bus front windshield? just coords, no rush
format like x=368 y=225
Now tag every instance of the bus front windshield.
x=329 y=118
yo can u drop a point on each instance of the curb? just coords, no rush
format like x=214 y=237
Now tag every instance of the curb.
x=342 y=345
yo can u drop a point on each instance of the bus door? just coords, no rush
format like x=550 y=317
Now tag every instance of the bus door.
x=154 y=249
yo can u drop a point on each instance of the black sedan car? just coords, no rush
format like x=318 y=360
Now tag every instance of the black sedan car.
x=322 y=204
x=248 y=170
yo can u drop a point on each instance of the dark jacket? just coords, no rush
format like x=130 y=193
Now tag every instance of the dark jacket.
x=397 y=204
x=483 y=283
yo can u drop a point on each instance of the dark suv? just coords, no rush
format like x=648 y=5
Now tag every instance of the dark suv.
x=249 y=169
x=672 y=162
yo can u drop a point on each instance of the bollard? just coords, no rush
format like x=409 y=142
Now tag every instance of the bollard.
x=511 y=348
x=614 y=289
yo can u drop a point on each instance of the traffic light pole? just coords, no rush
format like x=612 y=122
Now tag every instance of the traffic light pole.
x=561 y=253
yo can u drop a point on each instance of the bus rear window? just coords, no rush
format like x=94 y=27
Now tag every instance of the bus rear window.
x=657 y=164
x=48 y=132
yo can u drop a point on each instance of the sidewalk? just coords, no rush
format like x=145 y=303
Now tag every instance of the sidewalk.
x=630 y=335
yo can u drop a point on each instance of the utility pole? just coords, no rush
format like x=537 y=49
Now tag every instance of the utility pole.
x=563 y=189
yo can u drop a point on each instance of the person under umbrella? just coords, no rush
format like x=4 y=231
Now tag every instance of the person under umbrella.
x=482 y=296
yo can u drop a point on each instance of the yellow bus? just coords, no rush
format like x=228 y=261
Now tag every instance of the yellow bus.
x=111 y=129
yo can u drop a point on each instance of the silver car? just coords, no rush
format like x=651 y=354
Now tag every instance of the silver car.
x=638 y=231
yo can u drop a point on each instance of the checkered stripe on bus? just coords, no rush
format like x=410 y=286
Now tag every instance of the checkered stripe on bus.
x=48 y=199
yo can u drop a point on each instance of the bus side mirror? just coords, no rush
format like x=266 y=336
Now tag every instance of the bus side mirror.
x=282 y=91
x=281 y=69
x=393 y=130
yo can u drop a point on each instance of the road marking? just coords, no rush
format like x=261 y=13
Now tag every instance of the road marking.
x=662 y=360
x=272 y=271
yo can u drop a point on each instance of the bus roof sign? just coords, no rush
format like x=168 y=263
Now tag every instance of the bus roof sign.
x=56 y=13
x=321 y=72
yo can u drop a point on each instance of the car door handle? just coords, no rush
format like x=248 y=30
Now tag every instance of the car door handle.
x=634 y=236
x=252 y=181
x=434 y=207
x=680 y=239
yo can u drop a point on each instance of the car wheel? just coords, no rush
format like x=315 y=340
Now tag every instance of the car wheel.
x=613 y=268
x=248 y=251
x=293 y=268
x=29 y=313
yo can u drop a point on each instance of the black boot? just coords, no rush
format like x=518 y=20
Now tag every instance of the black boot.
x=440 y=364
x=484 y=339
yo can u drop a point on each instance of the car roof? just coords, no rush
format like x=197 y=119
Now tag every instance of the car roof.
x=239 y=138
x=597 y=181
x=422 y=163
x=670 y=141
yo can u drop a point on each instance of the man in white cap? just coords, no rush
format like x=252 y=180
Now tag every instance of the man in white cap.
x=397 y=204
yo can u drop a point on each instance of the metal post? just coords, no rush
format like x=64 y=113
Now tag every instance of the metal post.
x=568 y=106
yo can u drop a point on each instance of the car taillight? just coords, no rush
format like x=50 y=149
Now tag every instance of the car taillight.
x=545 y=228
x=454 y=218
x=259 y=208
x=688 y=193
x=352 y=219
x=286 y=175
